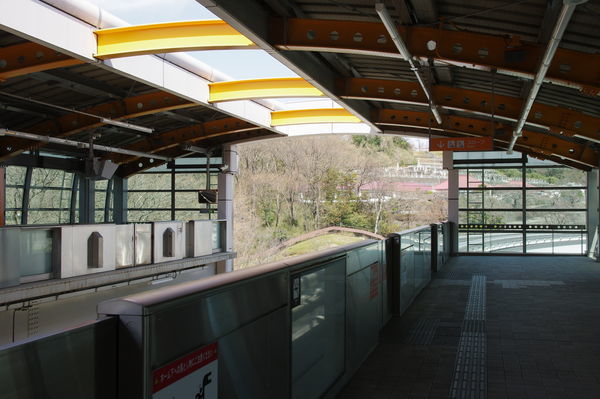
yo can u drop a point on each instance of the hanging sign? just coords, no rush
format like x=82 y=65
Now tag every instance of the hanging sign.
x=192 y=376
x=461 y=144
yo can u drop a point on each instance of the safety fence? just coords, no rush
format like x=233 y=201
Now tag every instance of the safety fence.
x=298 y=328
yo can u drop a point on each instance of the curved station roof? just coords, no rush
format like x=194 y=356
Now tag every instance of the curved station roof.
x=525 y=73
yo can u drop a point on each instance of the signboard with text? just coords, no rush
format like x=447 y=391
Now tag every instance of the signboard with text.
x=193 y=376
x=461 y=144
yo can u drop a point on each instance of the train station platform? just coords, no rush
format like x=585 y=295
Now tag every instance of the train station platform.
x=534 y=334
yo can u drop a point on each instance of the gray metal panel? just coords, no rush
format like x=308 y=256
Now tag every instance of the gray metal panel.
x=318 y=330
x=158 y=230
x=143 y=244
x=73 y=249
x=124 y=245
x=363 y=317
x=78 y=363
x=178 y=326
x=199 y=238
x=254 y=361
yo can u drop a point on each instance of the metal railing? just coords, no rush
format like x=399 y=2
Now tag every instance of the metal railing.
x=298 y=328
x=413 y=255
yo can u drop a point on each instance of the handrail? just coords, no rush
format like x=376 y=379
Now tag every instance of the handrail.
x=409 y=231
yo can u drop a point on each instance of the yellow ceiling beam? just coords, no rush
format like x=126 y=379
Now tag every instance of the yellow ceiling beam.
x=169 y=37
x=303 y=116
x=262 y=88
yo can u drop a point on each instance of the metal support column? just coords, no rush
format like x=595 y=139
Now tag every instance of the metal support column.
x=452 y=199
x=2 y=196
x=26 y=192
x=119 y=200
x=225 y=202
x=173 y=183
x=524 y=201
x=593 y=209
x=74 y=195
x=87 y=200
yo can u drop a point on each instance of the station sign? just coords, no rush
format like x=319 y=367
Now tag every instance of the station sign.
x=192 y=376
x=461 y=144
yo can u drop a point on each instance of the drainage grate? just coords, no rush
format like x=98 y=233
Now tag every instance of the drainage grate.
x=422 y=332
x=470 y=379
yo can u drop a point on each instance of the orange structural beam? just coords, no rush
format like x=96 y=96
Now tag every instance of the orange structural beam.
x=191 y=134
x=70 y=124
x=465 y=48
x=542 y=143
x=136 y=166
x=558 y=119
x=25 y=58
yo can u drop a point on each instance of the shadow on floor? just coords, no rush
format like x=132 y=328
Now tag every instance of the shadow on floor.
x=542 y=329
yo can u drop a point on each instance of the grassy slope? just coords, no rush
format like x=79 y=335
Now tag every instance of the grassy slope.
x=320 y=242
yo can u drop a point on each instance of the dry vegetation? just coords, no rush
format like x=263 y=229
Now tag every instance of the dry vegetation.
x=287 y=187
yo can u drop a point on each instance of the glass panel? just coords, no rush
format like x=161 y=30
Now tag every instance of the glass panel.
x=43 y=198
x=570 y=243
x=504 y=242
x=318 y=331
x=561 y=177
x=470 y=217
x=540 y=243
x=101 y=185
x=99 y=216
x=475 y=242
x=14 y=197
x=502 y=217
x=13 y=217
x=43 y=217
x=557 y=243
x=15 y=175
x=471 y=199
x=150 y=181
x=561 y=218
x=555 y=198
x=51 y=178
x=36 y=252
x=472 y=179
x=187 y=200
x=148 y=200
x=508 y=199
x=148 y=216
x=462 y=242
x=100 y=199
x=407 y=272
x=190 y=181
x=503 y=178
x=190 y=215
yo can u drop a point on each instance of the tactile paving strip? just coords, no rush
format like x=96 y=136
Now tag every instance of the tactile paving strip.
x=422 y=332
x=470 y=370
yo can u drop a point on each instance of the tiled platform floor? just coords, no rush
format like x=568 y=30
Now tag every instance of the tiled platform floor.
x=543 y=332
